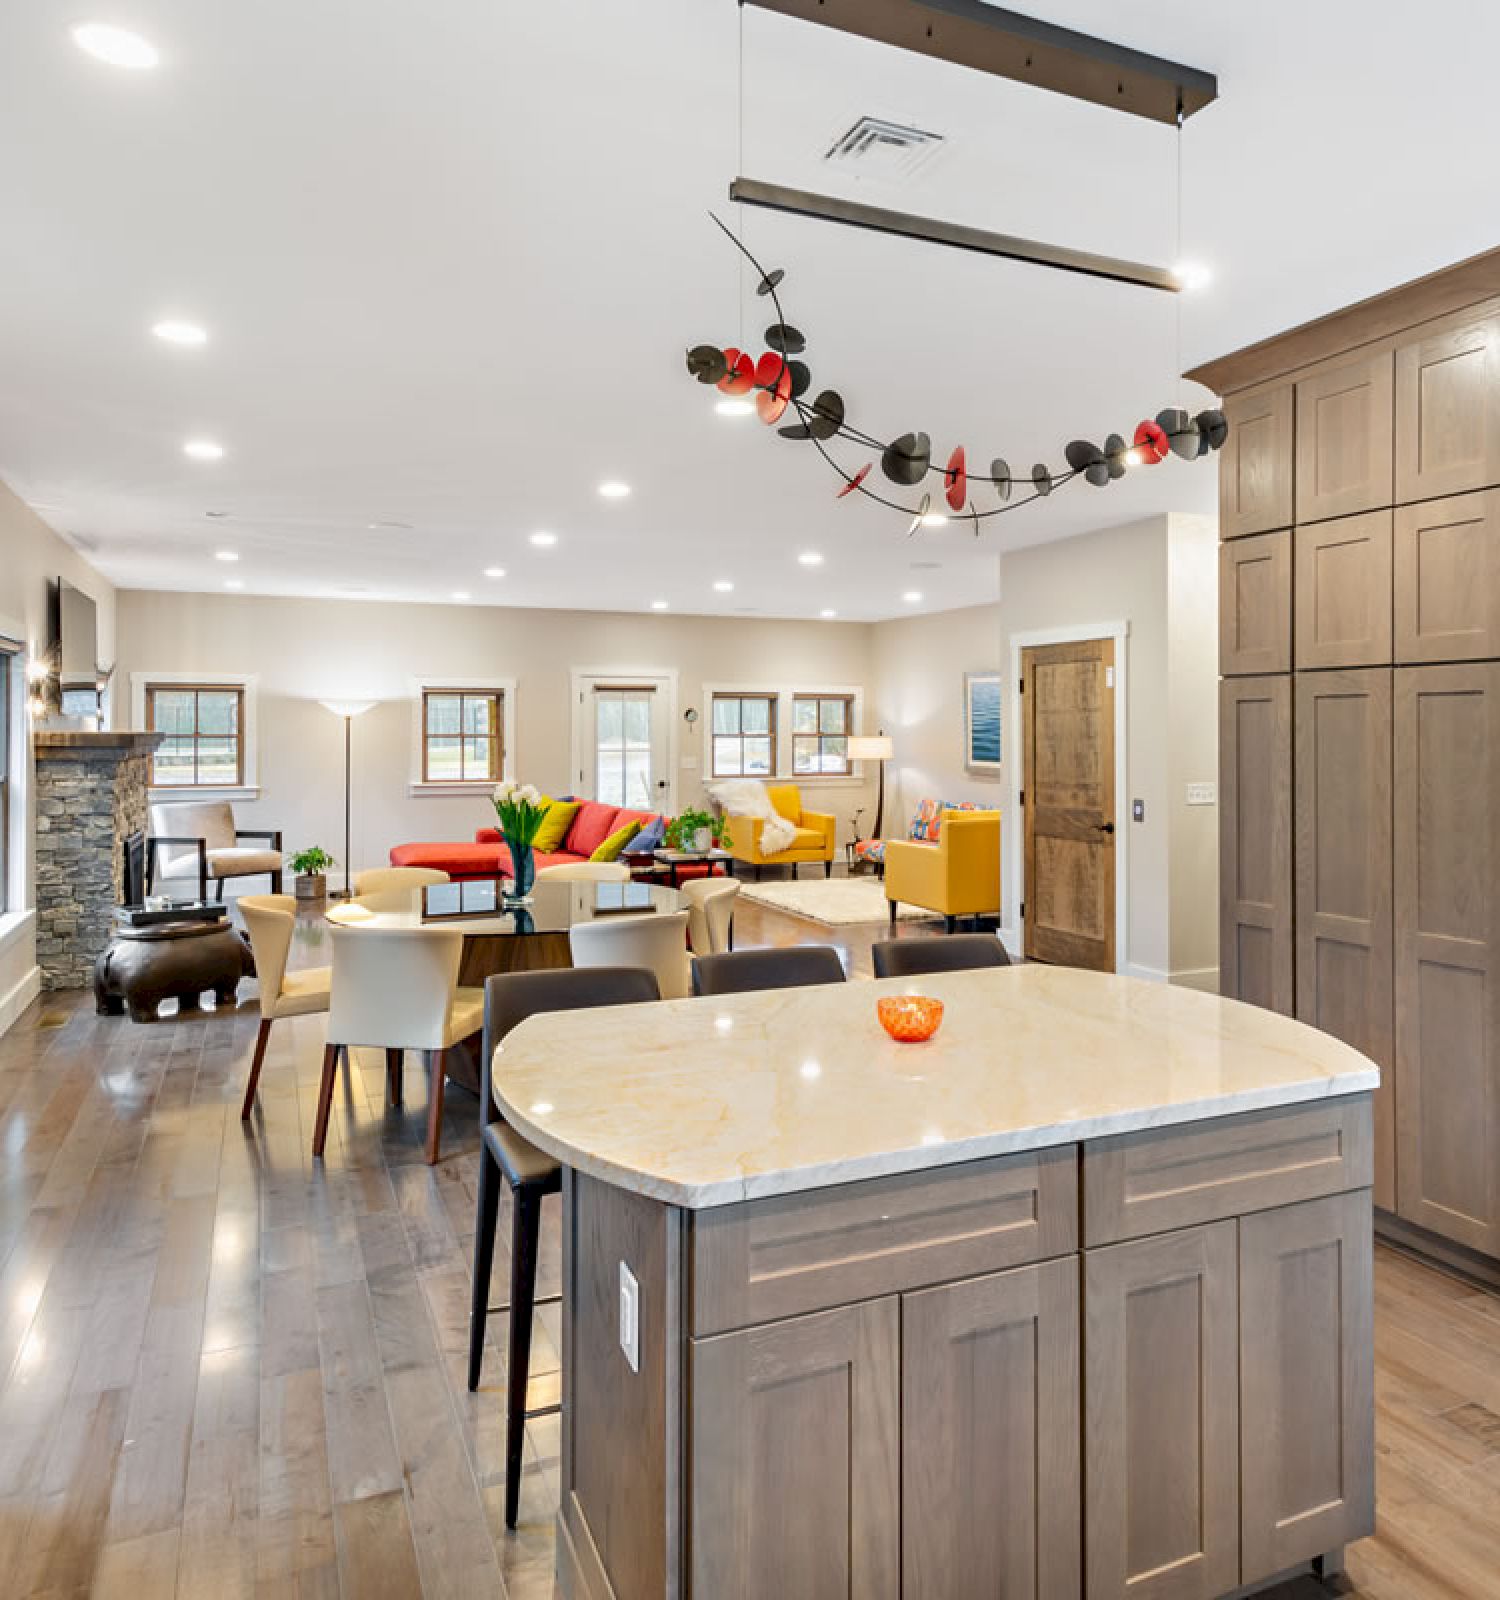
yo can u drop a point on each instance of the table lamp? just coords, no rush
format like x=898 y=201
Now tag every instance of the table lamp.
x=348 y=710
x=878 y=747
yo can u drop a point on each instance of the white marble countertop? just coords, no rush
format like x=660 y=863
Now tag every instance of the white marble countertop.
x=706 y=1102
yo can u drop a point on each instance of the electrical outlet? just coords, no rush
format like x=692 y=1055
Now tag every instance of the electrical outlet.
x=1202 y=794
x=630 y=1317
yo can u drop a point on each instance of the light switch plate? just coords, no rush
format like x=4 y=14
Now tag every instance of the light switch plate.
x=1202 y=794
x=630 y=1317
x=1138 y=810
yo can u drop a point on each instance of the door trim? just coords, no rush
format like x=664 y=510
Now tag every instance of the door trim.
x=662 y=679
x=1013 y=832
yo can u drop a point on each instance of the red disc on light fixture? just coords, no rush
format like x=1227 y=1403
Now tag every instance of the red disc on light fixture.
x=854 y=482
x=1151 y=442
x=740 y=378
x=769 y=369
x=956 y=479
x=772 y=401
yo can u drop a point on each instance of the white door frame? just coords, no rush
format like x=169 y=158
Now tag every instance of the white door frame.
x=1013 y=838
x=662 y=679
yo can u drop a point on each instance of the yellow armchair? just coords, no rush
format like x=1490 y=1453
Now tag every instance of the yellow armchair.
x=816 y=832
x=958 y=876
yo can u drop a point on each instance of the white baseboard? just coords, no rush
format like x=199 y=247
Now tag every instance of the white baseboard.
x=1204 y=978
x=21 y=994
x=1131 y=969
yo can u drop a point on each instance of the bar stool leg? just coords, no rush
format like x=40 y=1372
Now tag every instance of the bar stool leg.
x=325 y=1096
x=525 y=1237
x=484 y=1258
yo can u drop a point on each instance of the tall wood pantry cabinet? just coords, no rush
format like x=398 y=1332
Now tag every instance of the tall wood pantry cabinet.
x=1359 y=721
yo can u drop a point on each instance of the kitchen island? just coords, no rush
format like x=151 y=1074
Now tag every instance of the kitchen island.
x=1073 y=1299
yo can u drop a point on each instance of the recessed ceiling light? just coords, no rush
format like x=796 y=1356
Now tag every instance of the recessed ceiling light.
x=912 y=597
x=405 y=527
x=544 y=541
x=1192 y=275
x=658 y=605
x=494 y=572
x=811 y=558
x=203 y=450
x=181 y=332
x=924 y=566
x=733 y=408
x=116 y=46
x=828 y=613
x=461 y=594
x=934 y=519
x=613 y=489
x=226 y=555
x=234 y=583
x=215 y=513
x=723 y=586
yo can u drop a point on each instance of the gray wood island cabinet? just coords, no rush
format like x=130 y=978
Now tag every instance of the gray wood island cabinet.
x=1074 y=1300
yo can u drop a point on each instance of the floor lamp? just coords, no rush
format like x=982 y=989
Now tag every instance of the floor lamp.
x=877 y=747
x=348 y=710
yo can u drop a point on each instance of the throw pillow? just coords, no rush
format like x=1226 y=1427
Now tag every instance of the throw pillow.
x=612 y=846
x=649 y=838
x=928 y=821
x=555 y=825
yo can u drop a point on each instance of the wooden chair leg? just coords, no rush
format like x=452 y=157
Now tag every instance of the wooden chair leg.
x=892 y=905
x=325 y=1096
x=262 y=1038
x=828 y=869
x=436 y=1060
x=395 y=1072
x=527 y=1222
x=484 y=1257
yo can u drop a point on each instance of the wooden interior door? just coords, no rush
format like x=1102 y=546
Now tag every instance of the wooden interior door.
x=1068 y=802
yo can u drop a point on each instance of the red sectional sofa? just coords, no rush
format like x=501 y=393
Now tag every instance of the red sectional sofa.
x=488 y=857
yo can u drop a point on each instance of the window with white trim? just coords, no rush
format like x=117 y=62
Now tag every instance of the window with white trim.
x=203 y=724
x=8 y=665
x=463 y=735
x=821 y=725
x=744 y=735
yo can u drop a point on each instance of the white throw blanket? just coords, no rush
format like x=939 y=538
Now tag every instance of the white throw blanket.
x=747 y=797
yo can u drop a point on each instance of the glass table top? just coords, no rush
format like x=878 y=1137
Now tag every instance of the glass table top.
x=474 y=906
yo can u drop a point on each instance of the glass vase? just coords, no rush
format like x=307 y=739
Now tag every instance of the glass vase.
x=522 y=871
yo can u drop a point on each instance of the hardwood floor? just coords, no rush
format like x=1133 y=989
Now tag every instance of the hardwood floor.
x=227 y=1372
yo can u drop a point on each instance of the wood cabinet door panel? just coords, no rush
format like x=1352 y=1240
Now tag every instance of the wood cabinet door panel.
x=1343 y=588
x=1255 y=465
x=1447 y=579
x=1161 y=1416
x=795 y=1477
x=990 y=1447
x=1307 y=1403
x=1448 y=406
x=1447 y=807
x=1255 y=841
x=1344 y=437
x=1255 y=604
x=1343 y=871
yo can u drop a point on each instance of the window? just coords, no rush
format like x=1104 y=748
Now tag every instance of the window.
x=7 y=666
x=624 y=769
x=820 y=734
x=744 y=735
x=462 y=739
x=204 y=728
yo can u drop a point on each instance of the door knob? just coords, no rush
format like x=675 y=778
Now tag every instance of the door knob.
x=1106 y=827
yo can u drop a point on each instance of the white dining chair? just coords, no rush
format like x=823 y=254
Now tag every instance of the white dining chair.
x=270 y=920
x=396 y=989
x=657 y=943
x=710 y=903
x=585 y=872
x=376 y=880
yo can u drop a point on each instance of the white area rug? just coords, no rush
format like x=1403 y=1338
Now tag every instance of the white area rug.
x=832 y=900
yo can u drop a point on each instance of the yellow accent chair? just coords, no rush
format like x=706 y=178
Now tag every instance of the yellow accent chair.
x=814 y=840
x=958 y=875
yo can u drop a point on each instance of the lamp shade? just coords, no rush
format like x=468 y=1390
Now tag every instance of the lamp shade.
x=871 y=747
x=349 y=708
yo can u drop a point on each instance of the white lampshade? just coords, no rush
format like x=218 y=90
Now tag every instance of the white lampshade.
x=349 y=708
x=871 y=747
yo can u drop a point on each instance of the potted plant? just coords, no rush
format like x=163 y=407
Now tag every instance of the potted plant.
x=696 y=831
x=311 y=866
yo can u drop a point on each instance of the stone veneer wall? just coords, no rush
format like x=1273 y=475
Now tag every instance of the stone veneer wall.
x=89 y=799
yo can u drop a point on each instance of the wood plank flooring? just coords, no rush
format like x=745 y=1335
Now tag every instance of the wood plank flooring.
x=228 y=1372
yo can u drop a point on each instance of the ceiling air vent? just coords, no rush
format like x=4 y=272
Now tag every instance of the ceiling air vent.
x=875 y=148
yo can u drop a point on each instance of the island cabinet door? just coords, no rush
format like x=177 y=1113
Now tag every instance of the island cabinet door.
x=1307 y=1442
x=990 y=1445
x=795 y=1476
x=1161 y=1416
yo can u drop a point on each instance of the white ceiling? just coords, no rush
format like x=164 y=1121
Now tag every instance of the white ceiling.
x=450 y=255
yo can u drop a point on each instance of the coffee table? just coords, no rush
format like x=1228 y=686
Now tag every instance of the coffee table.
x=672 y=860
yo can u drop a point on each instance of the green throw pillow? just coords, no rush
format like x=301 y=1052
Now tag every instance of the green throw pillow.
x=612 y=846
x=555 y=825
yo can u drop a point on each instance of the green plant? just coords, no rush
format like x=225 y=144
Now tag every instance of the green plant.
x=680 y=829
x=520 y=808
x=312 y=862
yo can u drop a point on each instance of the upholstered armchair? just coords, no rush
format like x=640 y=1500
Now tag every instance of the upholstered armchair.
x=814 y=839
x=198 y=841
x=957 y=875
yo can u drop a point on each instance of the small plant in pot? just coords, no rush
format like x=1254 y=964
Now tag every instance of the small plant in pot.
x=311 y=867
x=696 y=831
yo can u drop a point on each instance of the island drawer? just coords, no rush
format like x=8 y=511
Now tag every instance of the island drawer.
x=1136 y=1184
x=788 y=1254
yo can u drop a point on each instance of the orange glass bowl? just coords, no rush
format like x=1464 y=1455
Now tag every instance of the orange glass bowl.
x=909 y=1018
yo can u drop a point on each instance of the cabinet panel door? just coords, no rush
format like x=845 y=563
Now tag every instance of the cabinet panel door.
x=1344 y=592
x=1447 y=579
x=1255 y=841
x=1343 y=856
x=1307 y=1380
x=1255 y=604
x=1447 y=936
x=1344 y=438
x=1255 y=465
x=796 y=1458
x=1161 y=1416
x=990 y=1437
x=1448 y=407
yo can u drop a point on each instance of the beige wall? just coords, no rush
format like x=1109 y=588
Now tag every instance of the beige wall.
x=31 y=557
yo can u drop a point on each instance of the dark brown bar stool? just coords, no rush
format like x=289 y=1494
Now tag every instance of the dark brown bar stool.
x=910 y=958
x=797 y=966
x=532 y=1174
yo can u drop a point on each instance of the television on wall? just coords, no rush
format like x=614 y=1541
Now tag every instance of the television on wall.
x=78 y=638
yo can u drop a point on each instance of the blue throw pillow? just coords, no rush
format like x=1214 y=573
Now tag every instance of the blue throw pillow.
x=648 y=839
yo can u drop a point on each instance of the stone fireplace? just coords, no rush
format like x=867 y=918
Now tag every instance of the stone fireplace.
x=91 y=791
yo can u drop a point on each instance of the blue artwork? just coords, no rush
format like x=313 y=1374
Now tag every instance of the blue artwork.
x=982 y=721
